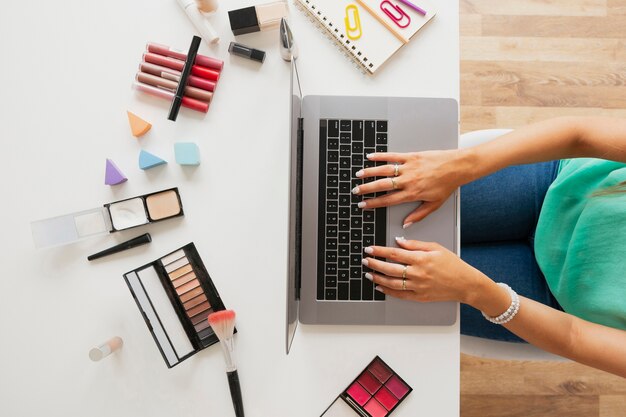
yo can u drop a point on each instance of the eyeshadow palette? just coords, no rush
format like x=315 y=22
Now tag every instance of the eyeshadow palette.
x=376 y=392
x=112 y=217
x=175 y=294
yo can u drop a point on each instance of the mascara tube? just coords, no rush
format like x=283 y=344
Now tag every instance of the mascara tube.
x=246 y=52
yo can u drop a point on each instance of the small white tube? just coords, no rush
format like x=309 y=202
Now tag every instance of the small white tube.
x=105 y=349
x=199 y=21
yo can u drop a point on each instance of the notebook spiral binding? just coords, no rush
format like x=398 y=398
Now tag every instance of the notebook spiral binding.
x=346 y=47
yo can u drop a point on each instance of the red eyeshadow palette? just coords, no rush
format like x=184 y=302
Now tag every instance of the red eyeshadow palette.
x=376 y=392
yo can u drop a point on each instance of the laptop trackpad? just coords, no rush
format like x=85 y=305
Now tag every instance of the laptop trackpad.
x=395 y=220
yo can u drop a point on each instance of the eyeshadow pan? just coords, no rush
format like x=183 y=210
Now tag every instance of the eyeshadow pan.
x=205 y=333
x=187 y=287
x=184 y=279
x=180 y=272
x=198 y=318
x=163 y=205
x=198 y=309
x=380 y=370
x=191 y=294
x=176 y=264
x=202 y=325
x=369 y=382
x=358 y=393
x=166 y=260
x=194 y=301
x=398 y=387
x=375 y=409
x=128 y=213
x=386 y=398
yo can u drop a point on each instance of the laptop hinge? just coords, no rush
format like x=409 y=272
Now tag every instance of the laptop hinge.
x=300 y=153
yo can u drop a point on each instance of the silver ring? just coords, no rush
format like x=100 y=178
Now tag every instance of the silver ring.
x=404 y=272
x=393 y=184
x=403 y=284
x=396 y=170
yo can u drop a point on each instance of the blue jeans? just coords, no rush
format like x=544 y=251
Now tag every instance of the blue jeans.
x=499 y=216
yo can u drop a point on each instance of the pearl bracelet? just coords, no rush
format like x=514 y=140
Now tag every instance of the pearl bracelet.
x=508 y=315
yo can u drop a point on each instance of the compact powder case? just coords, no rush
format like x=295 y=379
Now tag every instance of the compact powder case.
x=112 y=217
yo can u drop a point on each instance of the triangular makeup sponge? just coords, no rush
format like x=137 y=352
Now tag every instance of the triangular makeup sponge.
x=113 y=175
x=147 y=160
x=138 y=126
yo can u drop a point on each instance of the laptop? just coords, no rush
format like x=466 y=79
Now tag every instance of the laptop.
x=330 y=136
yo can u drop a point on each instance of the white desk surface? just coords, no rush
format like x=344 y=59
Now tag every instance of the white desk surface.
x=67 y=70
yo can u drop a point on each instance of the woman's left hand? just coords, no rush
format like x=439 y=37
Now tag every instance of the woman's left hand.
x=432 y=272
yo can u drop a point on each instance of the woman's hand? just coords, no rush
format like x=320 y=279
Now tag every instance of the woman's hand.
x=430 y=177
x=433 y=273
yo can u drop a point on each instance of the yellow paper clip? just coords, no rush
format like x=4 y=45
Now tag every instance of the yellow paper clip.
x=353 y=32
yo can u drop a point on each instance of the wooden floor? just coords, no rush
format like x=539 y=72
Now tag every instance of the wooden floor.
x=523 y=61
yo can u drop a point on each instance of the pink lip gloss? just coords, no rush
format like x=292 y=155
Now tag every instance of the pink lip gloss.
x=188 y=102
x=159 y=71
x=202 y=60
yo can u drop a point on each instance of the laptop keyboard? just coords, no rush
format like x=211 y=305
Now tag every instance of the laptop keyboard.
x=344 y=228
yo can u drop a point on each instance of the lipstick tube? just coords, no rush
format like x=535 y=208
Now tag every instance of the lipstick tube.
x=256 y=18
x=202 y=60
x=172 y=74
x=178 y=65
x=171 y=85
x=187 y=102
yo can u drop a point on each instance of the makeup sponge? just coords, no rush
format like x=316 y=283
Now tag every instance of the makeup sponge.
x=147 y=160
x=113 y=175
x=138 y=126
x=187 y=153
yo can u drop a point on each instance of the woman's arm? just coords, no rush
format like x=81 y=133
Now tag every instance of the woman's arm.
x=560 y=138
x=435 y=274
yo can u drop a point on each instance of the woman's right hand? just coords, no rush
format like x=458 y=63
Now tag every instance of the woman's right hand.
x=430 y=177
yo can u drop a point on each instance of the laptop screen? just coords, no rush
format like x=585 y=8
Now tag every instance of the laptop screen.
x=295 y=206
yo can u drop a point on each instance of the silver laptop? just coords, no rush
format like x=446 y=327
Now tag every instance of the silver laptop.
x=330 y=136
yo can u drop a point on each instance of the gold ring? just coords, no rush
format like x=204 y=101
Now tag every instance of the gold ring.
x=396 y=170
x=404 y=272
x=403 y=284
x=393 y=184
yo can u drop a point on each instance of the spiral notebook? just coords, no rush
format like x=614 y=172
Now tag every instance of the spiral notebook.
x=383 y=26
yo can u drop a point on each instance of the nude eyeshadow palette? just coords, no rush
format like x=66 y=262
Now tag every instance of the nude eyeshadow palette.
x=376 y=392
x=175 y=294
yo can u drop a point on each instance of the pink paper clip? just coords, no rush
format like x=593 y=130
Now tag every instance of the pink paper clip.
x=395 y=13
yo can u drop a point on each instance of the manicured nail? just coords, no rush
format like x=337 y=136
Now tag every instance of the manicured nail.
x=369 y=250
x=379 y=289
x=400 y=238
x=361 y=204
x=359 y=173
x=355 y=190
x=369 y=155
x=406 y=225
x=369 y=276
x=364 y=262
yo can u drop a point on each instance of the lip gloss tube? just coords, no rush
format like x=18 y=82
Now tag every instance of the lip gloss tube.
x=178 y=65
x=155 y=81
x=174 y=75
x=188 y=102
x=246 y=52
x=202 y=60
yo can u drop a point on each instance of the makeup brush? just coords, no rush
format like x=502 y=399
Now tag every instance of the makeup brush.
x=223 y=324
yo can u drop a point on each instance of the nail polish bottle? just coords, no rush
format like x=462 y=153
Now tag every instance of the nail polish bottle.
x=255 y=18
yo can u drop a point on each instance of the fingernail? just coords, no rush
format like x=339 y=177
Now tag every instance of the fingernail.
x=359 y=173
x=364 y=262
x=369 y=250
x=361 y=204
x=369 y=155
x=355 y=190
x=400 y=238
x=406 y=225
x=369 y=276
x=379 y=289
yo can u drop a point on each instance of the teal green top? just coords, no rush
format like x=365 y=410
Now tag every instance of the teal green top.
x=580 y=243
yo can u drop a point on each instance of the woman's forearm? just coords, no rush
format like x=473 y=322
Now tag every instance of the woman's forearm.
x=557 y=332
x=559 y=138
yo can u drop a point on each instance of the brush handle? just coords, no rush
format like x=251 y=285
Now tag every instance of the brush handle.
x=235 y=392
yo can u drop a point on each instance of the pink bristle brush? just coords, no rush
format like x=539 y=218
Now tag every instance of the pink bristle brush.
x=223 y=324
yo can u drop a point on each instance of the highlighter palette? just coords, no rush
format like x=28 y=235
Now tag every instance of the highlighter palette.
x=376 y=392
x=175 y=294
